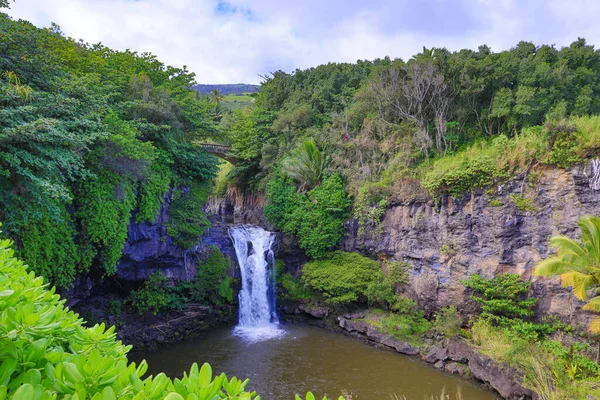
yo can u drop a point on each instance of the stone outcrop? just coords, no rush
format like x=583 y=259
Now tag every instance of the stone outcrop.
x=454 y=356
x=485 y=233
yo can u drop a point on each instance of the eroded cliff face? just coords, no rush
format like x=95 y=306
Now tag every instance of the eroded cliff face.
x=485 y=233
x=149 y=248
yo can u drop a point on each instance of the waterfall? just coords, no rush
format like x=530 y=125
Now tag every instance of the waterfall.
x=257 y=316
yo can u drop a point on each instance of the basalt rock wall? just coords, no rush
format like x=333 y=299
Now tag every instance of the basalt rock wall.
x=485 y=233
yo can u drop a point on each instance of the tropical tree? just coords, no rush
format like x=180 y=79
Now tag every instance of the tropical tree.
x=306 y=165
x=217 y=97
x=577 y=264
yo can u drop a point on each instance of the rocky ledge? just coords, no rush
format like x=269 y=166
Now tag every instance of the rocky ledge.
x=147 y=332
x=455 y=356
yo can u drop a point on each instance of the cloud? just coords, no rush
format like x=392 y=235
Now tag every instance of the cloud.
x=230 y=41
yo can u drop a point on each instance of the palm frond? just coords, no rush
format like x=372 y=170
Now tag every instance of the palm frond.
x=550 y=267
x=592 y=305
x=595 y=326
x=579 y=282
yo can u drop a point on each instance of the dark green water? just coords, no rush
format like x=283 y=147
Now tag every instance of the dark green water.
x=311 y=359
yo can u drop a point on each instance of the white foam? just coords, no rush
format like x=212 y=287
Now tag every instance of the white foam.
x=253 y=334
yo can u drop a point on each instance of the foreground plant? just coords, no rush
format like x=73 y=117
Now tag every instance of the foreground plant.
x=578 y=264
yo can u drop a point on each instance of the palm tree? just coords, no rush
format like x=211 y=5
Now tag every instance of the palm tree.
x=577 y=264
x=306 y=164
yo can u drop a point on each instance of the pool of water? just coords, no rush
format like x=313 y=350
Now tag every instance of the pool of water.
x=306 y=358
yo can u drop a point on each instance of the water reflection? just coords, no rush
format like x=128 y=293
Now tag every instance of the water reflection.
x=312 y=359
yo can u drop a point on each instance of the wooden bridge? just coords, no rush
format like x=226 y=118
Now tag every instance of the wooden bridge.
x=219 y=150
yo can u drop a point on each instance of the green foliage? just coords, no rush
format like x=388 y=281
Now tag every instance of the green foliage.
x=187 y=221
x=447 y=322
x=485 y=164
x=48 y=242
x=211 y=284
x=156 y=295
x=104 y=207
x=316 y=217
x=522 y=203
x=446 y=250
x=290 y=287
x=114 y=307
x=306 y=164
x=564 y=146
x=502 y=298
x=577 y=264
x=152 y=192
x=549 y=368
x=495 y=203
x=87 y=134
x=407 y=324
x=368 y=209
x=341 y=277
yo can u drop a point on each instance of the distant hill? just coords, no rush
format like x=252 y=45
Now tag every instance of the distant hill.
x=230 y=88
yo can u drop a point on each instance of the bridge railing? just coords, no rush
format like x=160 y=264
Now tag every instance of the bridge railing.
x=215 y=148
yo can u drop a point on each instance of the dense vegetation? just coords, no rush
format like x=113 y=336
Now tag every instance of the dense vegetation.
x=89 y=137
x=440 y=123
x=210 y=286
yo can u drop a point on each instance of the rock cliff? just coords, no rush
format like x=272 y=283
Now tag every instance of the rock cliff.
x=485 y=233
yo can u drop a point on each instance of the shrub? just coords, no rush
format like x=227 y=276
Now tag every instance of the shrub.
x=342 y=277
x=486 y=163
x=155 y=296
x=407 y=323
x=496 y=203
x=152 y=192
x=187 y=221
x=315 y=217
x=211 y=284
x=104 y=209
x=503 y=297
x=447 y=322
x=290 y=288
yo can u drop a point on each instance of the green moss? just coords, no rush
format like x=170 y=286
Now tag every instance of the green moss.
x=522 y=203
x=495 y=203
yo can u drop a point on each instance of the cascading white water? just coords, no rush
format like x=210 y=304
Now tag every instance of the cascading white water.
x=257 y=316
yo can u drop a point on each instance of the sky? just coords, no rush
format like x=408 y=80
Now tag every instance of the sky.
x=237 y=41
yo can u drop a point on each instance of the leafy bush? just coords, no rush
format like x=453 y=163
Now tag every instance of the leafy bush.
x=447 y=322
x=187 y=221
x=503 y=297
x=211 y=284
x=316 y=217
x=407 y=323
x=155 y=296
x=48 y=242
x=152 y=192
x=291 y=288
x=341 y=277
